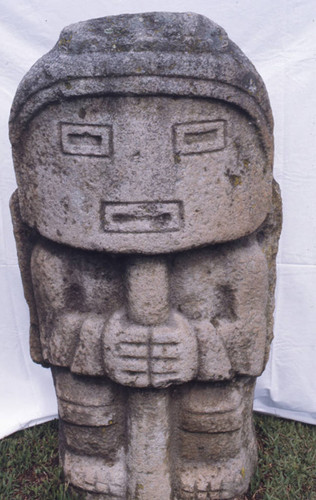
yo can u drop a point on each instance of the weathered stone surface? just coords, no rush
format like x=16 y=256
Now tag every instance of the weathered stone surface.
x=160 y=204
x=147 y=223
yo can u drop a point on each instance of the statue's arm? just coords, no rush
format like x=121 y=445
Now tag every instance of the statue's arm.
x=247 y=338
x=75 y=293
x=244 y=333
x=25 y=238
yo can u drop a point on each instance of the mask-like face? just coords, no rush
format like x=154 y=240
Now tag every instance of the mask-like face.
x=143 y=174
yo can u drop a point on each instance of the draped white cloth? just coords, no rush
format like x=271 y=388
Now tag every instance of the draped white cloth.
x=280 y=39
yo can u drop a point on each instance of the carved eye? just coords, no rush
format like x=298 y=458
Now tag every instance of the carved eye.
x=86 y=140
x=199 y=137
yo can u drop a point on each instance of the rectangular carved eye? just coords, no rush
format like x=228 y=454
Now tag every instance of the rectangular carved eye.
x=86 y=140
x=199 y=137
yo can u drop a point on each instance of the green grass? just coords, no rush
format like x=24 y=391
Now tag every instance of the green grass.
x=29 y=467
x=287 y=460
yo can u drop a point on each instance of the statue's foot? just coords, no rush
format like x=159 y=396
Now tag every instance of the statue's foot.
x=222 y=480
x=96 y=475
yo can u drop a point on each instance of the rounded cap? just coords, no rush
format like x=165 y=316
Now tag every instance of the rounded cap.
x=103 y=55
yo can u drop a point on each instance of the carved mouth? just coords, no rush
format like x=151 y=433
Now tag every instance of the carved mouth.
x=141 y=217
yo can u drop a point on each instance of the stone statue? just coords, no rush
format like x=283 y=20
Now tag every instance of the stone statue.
x=147 y=220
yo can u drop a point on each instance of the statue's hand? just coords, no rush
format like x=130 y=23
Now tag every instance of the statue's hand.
x=143 y=356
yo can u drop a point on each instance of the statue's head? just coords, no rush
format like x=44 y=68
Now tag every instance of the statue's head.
x=143 y=133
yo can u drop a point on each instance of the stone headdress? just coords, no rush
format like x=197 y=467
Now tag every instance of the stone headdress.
x=141 y=54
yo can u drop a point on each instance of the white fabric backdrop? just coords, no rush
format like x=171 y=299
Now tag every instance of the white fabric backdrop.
x=279 y=36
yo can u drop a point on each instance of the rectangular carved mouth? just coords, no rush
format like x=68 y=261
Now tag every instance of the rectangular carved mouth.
x=141 y=217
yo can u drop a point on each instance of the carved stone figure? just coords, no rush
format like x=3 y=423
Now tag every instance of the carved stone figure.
x=147 y=221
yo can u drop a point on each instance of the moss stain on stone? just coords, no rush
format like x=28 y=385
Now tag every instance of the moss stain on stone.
x=235 y=180
x=246 y=163
x=64 y=42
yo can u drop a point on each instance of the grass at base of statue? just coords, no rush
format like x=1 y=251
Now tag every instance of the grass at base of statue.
x=287 y=460
x=29 y=466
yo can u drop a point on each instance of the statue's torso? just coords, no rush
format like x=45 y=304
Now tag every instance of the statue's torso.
x=213 y=293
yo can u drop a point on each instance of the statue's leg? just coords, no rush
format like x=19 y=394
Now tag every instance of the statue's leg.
x=215 y=442
x=92 y=434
